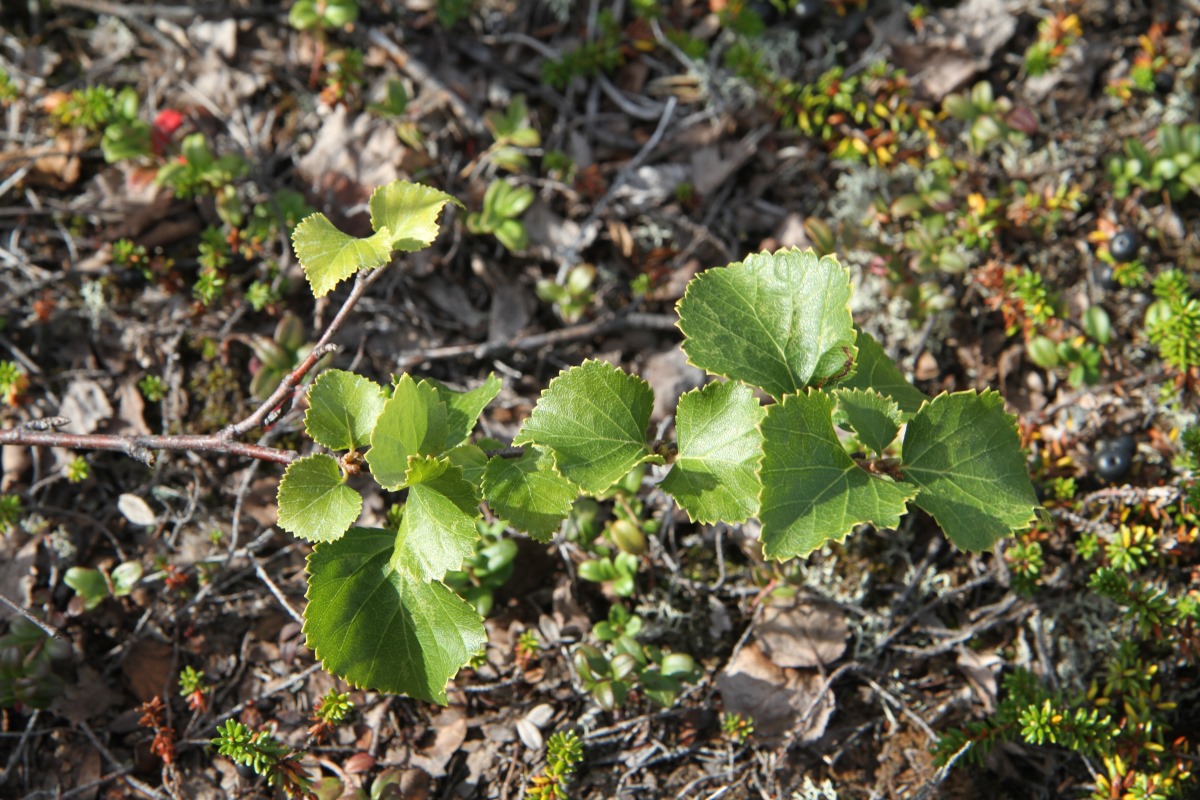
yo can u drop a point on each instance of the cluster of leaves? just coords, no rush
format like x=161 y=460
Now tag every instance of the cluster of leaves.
x=736 y=727
x=266 y=755
x=564 y=753
x=989 y=119
x=1131 y=698
x=1150 y=64
x=572 y=297
x=191 y=170
x=1173 y=169
x=610 y=676
x=865 y=117
x=1055 y=34
x=94 y=586
x=27 y=659
x=776 y=322
x=1173 y=321
x=603 y=54
x=503 y=204
x=13 y=383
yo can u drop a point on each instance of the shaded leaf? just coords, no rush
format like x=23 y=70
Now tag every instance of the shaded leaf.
x=593 y=418
x=813 y=492
x=413 y=422
x=873 y=417
x=963 y=452
x=463 y=408
x=437 y=530
x=527 y=493
x=874 y=370
x=379 y=628
x=714 y=477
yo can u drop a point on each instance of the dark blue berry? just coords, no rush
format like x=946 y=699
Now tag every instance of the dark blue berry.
x=1113 y=458
x=1124 y=245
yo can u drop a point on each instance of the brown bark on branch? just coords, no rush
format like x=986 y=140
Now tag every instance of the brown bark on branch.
x=40 y=433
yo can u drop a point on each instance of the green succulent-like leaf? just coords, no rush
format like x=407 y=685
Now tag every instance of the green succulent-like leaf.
x=329 y=256
x=779 y=321
x=437 y=530
x=463 y=408
x=378 y=627
x=342 y=409
x=714 y=477
x=875 y=418
x=593 y=417
x=314 y=501
x=963 y=452
x=527 y=493
x=88 y=584
x=875 y=370
x=813 y=492
x=413 y=422
x=409 y=213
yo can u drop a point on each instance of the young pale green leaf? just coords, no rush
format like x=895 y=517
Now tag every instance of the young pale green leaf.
x=314 y=501
x=779 y=321
x=409 y=212
x=413 y=422
x=714 y=477
x=876 y=371
x=963 y=452
x=594 y=418
x=875 y=418
x=437 y=530
x=329 y=256
x=528 y=494
x=463 y=408
x=378 y=628
x=813 y=492
x=342 y=409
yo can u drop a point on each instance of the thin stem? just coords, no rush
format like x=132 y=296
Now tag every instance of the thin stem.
x=224 y=441
x=24 y=612
x=142 y=447
x=361 y=283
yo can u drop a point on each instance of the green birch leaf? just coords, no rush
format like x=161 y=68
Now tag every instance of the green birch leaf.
x=380 y=629
x=413 y=422
x=528 y=494
x=873 y=417
x=471 y=459
x=779 y=321
x=463 y=408
x=876 y=371
x=342 y=409
x=329 y=256
x=409 y=213
x=813 y=492
x=963 y=452
x=593 y=418
x=437 y=530
x=714 y=477
x=314 y=501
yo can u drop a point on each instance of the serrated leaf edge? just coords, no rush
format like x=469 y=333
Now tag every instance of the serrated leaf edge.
x=679 y=317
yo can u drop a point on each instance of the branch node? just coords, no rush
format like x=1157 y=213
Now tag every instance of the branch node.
x=142 y=453
x=45 y=424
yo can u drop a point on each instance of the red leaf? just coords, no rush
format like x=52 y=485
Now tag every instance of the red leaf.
x=165 y=125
